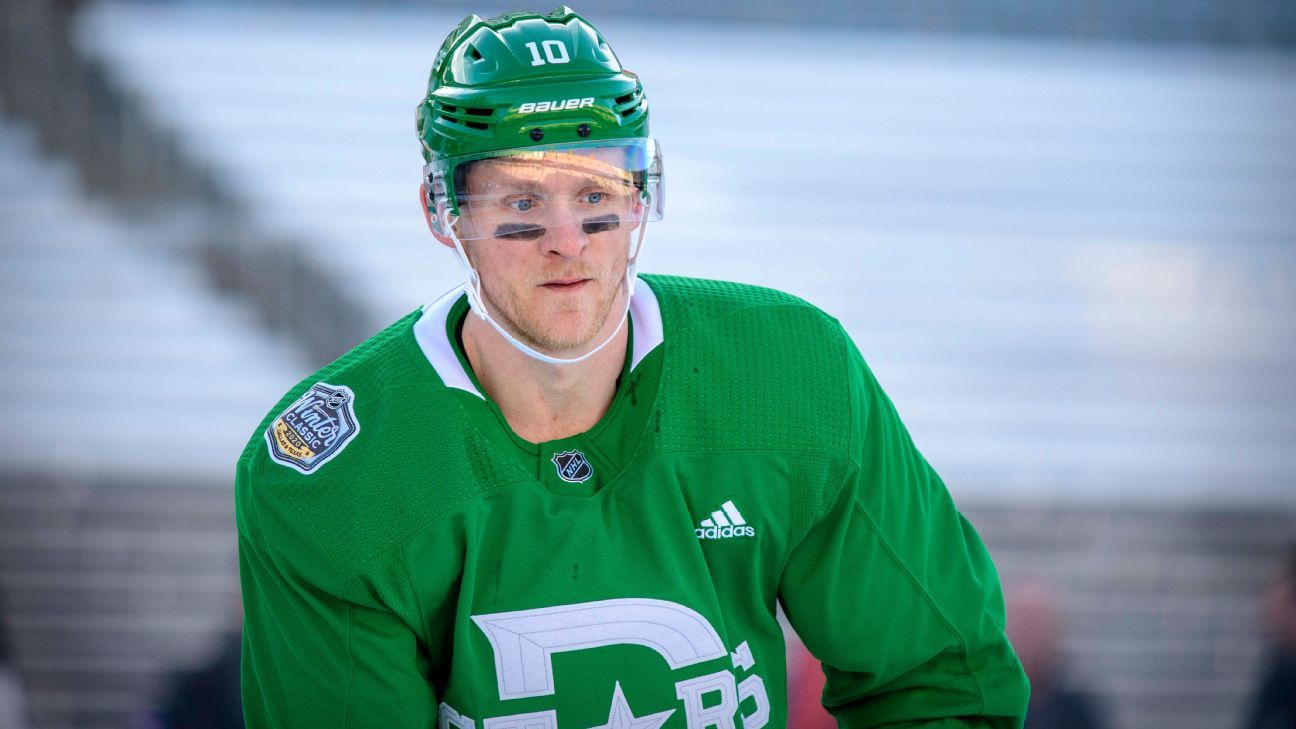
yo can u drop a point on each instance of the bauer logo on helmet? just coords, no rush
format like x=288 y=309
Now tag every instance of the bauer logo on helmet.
x=532 y=107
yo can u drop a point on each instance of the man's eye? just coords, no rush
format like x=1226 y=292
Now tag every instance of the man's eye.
x=522 y=205
x=594 y=198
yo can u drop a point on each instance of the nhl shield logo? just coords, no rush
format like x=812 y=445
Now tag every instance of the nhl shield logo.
x=572 y=466
x=315 y=428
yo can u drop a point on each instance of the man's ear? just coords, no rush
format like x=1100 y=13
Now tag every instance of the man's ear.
x=433 y=224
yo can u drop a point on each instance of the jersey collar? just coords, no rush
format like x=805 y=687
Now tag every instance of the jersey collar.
x=608 y=448
x=432 y=332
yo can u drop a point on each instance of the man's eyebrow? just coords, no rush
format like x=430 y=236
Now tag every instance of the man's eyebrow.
x=500 y=176
x=505 y=178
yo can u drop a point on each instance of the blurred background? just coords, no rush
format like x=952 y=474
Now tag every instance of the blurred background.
x=1063 y=234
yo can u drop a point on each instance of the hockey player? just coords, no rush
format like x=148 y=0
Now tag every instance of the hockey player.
x=564 y=495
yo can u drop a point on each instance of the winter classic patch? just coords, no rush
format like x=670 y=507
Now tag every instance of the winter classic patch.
x=315 y=428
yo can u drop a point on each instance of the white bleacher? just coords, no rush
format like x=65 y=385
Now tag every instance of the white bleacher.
x=130 y=388
x=1073 y=267
x=118 y=357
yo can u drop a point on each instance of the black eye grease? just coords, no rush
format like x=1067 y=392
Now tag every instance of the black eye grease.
x=601 y=224
x=519 y=231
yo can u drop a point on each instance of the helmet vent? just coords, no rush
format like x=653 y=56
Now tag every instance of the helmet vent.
x=473 y=117
x=474 y=53
x=631 y=104
x=602 y=49
x=469 y=124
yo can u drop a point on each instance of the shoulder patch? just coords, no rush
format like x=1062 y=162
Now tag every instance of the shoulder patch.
x=314 y=429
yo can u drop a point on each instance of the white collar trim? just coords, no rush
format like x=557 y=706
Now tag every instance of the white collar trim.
x=645 y=316
x=432 y=337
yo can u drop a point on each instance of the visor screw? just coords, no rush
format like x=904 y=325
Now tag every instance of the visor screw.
x=583 y=130
x=537 y=134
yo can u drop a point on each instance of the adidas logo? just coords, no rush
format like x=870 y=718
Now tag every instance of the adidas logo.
x=724 y=523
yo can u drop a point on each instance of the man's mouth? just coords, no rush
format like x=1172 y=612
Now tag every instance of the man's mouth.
x=566 y=284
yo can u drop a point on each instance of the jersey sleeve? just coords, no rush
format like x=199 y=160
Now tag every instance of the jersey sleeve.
x=893 y=591
x=320 y=651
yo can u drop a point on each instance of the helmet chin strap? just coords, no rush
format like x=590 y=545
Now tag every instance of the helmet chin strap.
x=477 y=301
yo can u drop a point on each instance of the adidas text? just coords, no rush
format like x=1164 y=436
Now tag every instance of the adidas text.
x=724 y=523
x=724 y=532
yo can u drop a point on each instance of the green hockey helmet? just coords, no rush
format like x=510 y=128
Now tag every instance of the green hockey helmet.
x=532 y=86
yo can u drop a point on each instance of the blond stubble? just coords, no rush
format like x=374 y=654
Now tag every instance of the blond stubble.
x=534 y=330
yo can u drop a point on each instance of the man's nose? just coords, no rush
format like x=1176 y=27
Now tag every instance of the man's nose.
x=566 y=236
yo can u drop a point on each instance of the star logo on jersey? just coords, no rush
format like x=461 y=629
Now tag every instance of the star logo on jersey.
x=620 y=716
x=572 y=466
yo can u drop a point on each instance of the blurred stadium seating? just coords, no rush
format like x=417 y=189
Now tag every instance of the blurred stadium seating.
x=117 y=356
x=131 y=388
x=1072 y=265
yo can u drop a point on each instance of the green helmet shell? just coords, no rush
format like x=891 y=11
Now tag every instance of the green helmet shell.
x=522 y=80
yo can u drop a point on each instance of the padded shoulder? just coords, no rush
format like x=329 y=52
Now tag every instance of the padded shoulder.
x=750 y=368
x=412 y=455
x=692 y=300
x=372 y=361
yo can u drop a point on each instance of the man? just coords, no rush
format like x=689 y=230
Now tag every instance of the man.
x=13 y=705
x=566 y=496
x=1273 y=705
x=1035 y=627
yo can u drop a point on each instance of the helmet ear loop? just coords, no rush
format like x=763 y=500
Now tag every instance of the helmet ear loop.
x=434 y=200
x=433 y=211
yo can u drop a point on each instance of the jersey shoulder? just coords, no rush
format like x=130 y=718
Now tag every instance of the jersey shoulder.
x=380 y=362
x=749 y=367
x=690 y=301
x=365 y=452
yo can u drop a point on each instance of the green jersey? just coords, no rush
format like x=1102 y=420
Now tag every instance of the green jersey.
x=407 y=560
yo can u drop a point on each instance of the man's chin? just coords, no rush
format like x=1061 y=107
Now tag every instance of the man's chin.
x=564 y=326
x=561 y=341
x=570 y=333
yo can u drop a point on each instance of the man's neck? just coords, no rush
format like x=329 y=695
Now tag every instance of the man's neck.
x=543 y=401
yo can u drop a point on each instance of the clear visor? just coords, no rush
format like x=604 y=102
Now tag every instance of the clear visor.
x=524 y=195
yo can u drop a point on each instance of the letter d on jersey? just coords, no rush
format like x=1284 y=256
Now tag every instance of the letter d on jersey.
x=524 y=641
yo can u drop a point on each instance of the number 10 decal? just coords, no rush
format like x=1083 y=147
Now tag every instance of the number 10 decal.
x=554 y=52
